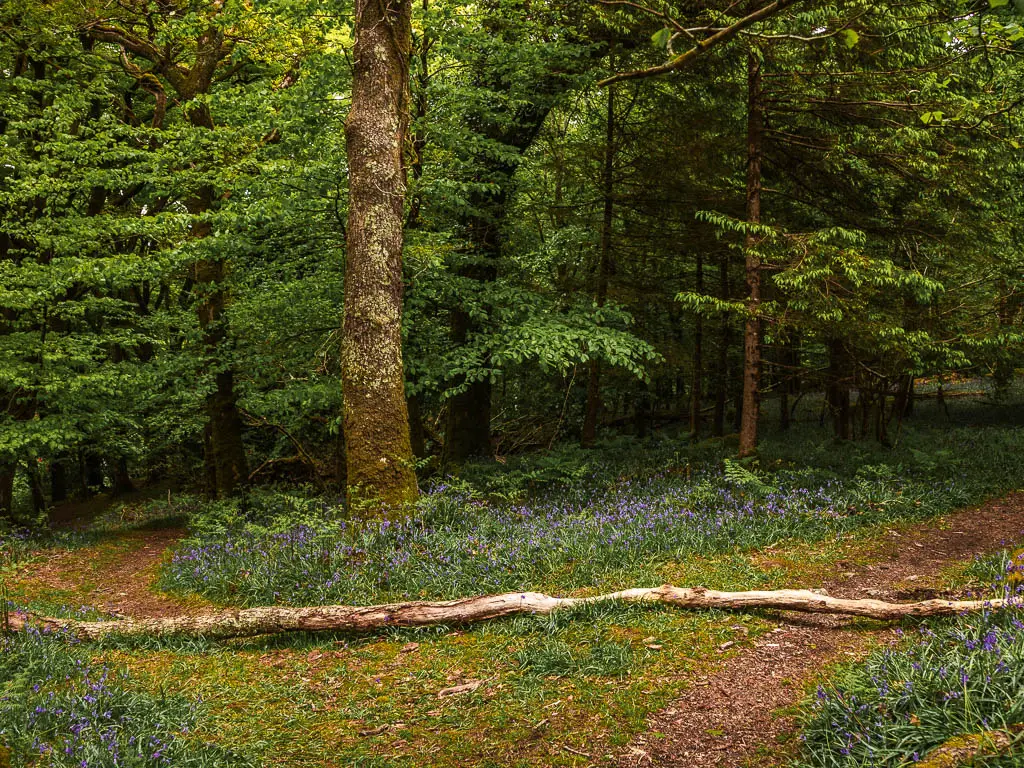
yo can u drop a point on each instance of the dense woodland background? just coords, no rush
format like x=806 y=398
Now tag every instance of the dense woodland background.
x=579 y=255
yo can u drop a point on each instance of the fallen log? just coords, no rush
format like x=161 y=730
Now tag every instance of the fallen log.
x=247 y=622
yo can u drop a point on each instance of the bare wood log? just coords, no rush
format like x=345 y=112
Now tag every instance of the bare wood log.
x=247 y=622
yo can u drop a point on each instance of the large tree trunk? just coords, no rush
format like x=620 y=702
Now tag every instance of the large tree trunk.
x=593 y=411
x=260 y=621
x=751 y=409
x=377 y=443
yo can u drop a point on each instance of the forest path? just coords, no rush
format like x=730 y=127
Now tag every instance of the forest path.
x=116 y=575
x=732 y=717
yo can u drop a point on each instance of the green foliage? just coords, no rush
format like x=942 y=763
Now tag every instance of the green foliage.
x=953 y=682
x=604 y=527
x=551 y=657
x=58 y=706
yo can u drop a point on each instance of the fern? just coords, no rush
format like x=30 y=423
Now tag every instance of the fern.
x=749 y=481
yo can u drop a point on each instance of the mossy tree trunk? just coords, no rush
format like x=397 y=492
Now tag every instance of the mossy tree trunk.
x=377 y=444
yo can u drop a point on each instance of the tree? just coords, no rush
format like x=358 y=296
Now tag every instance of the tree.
x=377 y=444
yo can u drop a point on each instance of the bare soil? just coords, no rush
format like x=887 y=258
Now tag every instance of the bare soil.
x=119 y=579
x=742 y=713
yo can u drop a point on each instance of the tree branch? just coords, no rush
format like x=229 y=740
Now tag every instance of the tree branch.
x=684 y=59
x=260 y=621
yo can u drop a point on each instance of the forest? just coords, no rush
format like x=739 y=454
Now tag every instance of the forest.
x=511 y=382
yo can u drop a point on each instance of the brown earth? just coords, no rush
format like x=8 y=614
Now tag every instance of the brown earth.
x=116 y=577
x=732 y=717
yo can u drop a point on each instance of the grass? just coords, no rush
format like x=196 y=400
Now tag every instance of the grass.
x=58 y=707
x=566 y=690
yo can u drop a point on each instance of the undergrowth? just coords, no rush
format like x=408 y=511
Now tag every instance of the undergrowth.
x=957 y=685
x=58 y=708
x=617 y=522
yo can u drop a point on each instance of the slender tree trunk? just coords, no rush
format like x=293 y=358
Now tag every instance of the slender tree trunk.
x=593 y=411
x=903 y=403
x=696 y=391
x=35 y=486
x=642 y=414
x=1007 y=309
x=377 y=443
x=226 y=464
x=724 y=342
x=122 y=479
x=91 y=478
x=58 y=480
x=468 y=418
x=226 y=467
x=467 y=432
x=838 y=393
x=6 y=491
x=417 y=435
x=789 y=381
x=752 y=330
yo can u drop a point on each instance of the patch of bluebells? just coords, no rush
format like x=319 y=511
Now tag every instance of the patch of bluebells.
x=459 y=544
x=58 y=708
x=955 y=678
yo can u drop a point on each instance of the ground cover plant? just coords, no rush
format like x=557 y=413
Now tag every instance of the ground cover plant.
x=954 y=686
x=606 y=528
x=58 y=707
x=538 y=691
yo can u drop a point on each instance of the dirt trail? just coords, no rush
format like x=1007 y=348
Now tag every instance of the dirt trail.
x=116 y=576
x=728 y=719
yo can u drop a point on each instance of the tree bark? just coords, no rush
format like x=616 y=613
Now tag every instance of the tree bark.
x=837 y=396
x=751 y=410
x=696 y=391
x=58 y=480
x=467 y=426
x=248 y=622
x=377 y=443
x=724 y=342
x=593 y=411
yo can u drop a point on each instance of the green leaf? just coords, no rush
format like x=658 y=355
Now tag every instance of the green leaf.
x=661 y=38
x=850 y=37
